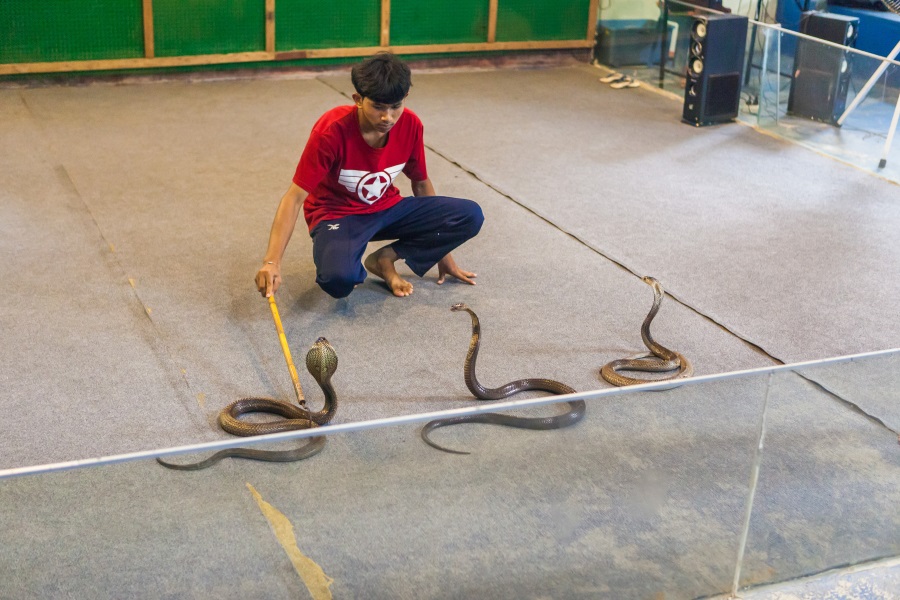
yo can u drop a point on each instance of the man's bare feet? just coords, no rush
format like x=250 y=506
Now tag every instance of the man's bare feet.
x=381 y=264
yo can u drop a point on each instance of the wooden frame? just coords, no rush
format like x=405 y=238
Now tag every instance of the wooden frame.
x=149 y=47
x=385 y=38
x=432 y=48
x=270 y=26
x=593 y=13
x=272 y=55
x=492 y=21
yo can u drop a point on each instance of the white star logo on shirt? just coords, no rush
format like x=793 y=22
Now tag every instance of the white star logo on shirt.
x=369 y=187
x=372 y=186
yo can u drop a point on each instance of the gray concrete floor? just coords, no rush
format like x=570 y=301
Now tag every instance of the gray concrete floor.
x=134 y=216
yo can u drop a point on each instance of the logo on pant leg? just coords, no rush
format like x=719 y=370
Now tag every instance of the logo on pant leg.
x=333 y=226
x=369 y=187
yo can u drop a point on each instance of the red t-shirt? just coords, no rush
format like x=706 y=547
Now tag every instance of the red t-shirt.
x=345 y=176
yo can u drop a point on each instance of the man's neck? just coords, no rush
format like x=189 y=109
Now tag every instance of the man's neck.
x=372 y=136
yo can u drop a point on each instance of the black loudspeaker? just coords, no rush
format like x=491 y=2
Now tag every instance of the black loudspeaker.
x=713 y=4
x=864 y=4
x=712 y=89
x=822 y=73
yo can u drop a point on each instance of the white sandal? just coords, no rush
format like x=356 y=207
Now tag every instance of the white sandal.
x=625 y=82
x=612 y=77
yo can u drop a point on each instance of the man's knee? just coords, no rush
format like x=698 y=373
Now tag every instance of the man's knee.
x=337 y=285
x=470 y=217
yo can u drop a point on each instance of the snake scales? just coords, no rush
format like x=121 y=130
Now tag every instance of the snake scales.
x=659 y=360
x=321 y=362
x=571 y=417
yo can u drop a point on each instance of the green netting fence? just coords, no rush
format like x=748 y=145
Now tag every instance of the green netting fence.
x=87 y=35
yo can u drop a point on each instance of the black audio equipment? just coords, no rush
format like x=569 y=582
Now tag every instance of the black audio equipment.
x=822 y=73
x=712 y=88
x=864 y=4
x=711 y=4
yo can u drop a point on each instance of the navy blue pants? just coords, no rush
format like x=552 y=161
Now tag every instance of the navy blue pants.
x=426 y=230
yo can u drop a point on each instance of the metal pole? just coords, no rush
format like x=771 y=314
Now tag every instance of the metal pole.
x=869 y=84
x=890 y=138
x=664 y=43
x=763 y=77
x=754 y=480
x=778 y=77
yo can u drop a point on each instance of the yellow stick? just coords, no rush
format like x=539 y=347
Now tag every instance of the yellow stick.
x=287 y=352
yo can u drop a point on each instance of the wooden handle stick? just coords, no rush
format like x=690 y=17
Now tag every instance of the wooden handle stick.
x=287 y=352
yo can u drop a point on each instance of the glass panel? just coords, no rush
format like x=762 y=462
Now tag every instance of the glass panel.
x=836 y=101
x=829 y=483
x=642 y=498
x=646 y=496
x=767 y=80
x=842 y=102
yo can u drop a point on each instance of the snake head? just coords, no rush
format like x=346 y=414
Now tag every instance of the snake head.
x=654 y=283
x=321 y=361
x=459 y=306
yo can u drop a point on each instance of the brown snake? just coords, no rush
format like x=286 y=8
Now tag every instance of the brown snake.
x=321 y=362
x=574 y=415
x=659 y=360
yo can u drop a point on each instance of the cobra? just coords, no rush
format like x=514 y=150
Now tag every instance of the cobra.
x=576 y=407
x=659 y=360
x=321 y=362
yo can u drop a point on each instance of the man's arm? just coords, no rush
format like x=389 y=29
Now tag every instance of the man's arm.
x=446 y=266
x=268 y=278
x=423 y=188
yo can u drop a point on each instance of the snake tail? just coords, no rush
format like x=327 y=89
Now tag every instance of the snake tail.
x=313 y=446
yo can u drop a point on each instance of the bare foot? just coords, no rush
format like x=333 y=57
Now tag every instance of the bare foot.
x=381 y=264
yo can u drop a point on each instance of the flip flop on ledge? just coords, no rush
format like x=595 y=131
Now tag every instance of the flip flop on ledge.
x=611 y=78
x=625 y=82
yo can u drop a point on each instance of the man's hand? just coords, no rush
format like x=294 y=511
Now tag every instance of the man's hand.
x=268 y=278
x=448 y=266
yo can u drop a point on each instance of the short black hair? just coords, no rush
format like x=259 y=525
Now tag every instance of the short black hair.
x=382 y=78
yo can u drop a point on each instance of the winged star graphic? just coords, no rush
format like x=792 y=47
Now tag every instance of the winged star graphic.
x=369 y=187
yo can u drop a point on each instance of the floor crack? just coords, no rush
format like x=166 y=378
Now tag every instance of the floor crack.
x=157 y=343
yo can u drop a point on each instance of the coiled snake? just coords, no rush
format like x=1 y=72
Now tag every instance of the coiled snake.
x=574 y=415
x=659 y=360
x=321 y=362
